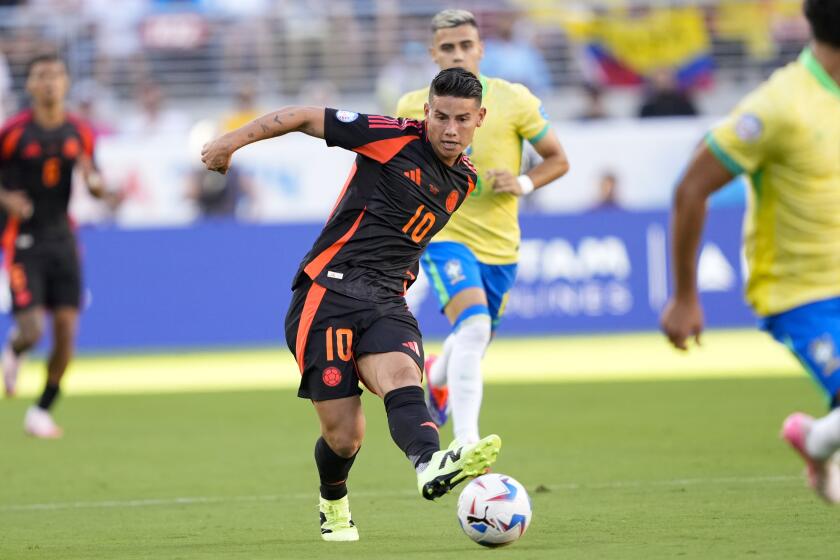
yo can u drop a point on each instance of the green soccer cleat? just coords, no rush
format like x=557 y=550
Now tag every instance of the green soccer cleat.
x=336 y=524
x=449 y=467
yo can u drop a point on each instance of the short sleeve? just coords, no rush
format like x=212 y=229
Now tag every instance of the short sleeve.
x=749 y=135
x=88 y=139
x=531 y=118
x=377 y=137
x=9 y=138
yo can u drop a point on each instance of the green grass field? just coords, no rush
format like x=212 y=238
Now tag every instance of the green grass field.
x=655 y=465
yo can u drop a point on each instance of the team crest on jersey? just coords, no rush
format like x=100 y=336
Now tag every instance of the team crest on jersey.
x=71 y=148
x=749 y=127
x=454 y=272
x=452 y=201
x=346 y=116
x=32 y=150
x=824 y=353
x=331 y=376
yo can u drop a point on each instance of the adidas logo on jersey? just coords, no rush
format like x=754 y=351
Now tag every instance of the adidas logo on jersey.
x=414 y=175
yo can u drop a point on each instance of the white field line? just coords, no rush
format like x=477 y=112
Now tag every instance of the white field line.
x=202 y=500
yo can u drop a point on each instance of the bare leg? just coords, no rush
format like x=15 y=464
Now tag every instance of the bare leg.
x=29 y=329
x=342 y=431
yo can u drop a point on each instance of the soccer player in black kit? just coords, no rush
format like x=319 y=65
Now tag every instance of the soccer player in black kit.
x=348 y=321
x=39 y=148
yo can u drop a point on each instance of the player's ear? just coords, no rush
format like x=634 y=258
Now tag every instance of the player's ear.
x=426 y=110
x=482 y=112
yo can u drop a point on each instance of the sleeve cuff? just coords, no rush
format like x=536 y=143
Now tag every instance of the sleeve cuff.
x=540 y=134
x=730 y=164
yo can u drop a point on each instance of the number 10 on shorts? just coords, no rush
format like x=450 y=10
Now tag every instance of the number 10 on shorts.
x=339 y=341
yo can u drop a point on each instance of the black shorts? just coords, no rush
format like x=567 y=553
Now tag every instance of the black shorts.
x=45 y=273
x=327 y=331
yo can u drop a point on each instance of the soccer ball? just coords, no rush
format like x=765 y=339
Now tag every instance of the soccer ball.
x=494 y=510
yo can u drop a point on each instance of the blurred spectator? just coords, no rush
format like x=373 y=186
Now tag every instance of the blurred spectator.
x=411 y=69
x=303 y=33
x=342 y=55
x=225 y=196
x=664 y=99
x=246 y=41
x=7 y=99
x=511 y=56
x=119 y=55
x=607 y=192
x=151 y=117
x=245 y=108
x=20 y=46
x=89 y=99
x=594 y=108
x=221 y=196
x=320 y=93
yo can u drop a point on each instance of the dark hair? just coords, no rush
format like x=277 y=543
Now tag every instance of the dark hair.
x=824 y=17
x=49 y=56
x=456 y=82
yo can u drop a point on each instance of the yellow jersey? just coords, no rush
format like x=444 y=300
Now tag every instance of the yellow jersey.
x=488 y=223
x=785 y=136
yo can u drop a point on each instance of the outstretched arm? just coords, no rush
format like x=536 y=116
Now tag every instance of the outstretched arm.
x=683 y=317
x=216 y=155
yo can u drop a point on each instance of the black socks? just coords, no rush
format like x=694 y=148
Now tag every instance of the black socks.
x=411 y=425
x=48 y=396
x=333 y=470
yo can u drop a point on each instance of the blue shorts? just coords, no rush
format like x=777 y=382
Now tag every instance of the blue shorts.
x=452 y=268
x=812 y=333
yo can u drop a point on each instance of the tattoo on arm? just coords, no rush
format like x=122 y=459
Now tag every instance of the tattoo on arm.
x=250 y=135
x=264 y=127
x=277 y=120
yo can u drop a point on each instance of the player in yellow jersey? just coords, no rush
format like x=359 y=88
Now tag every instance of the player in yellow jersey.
x=786 y=137
x=471 y=263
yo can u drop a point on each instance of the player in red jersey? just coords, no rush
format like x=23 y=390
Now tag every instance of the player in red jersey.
x=39 y=148
x=348 y=320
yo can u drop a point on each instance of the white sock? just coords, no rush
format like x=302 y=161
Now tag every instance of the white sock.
x=824 y=438
x=437 y=373
x=464 y=376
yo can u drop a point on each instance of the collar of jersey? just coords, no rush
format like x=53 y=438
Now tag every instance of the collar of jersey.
x=483 y=79
x=810 y=62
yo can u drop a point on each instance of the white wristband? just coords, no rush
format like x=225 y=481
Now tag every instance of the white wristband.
x=526 y=185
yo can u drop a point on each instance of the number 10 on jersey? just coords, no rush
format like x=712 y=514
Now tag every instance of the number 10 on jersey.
x=420 y=225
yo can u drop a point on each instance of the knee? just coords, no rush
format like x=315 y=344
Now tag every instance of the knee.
x=405 y=376
x=475 y=332
x=29 y=334
x=345 y=443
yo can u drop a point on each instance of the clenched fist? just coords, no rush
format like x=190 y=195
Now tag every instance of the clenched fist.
x=216 y=155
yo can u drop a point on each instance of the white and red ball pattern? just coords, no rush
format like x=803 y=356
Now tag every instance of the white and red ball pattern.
x=494 y=510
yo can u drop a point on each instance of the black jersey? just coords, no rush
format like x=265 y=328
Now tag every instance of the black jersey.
x=39 y=162
x=398 y=196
